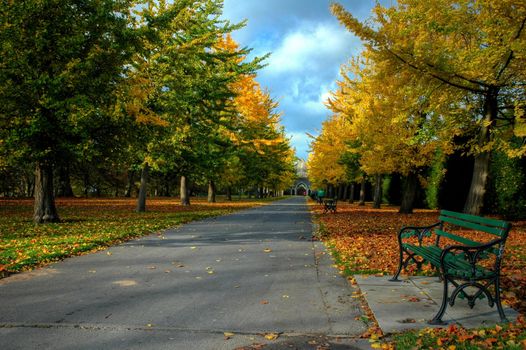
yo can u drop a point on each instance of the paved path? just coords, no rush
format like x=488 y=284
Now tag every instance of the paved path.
x=400 y=306
x=247 y=273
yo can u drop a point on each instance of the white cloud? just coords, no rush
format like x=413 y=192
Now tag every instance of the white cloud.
x=309 y=49
x=301 y=141
x=307 y=46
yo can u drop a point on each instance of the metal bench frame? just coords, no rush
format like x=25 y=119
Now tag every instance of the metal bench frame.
x=459 y=264
x=329 y=205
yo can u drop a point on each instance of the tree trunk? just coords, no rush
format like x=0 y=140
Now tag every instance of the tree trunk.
x=229 y=193
x=211 y=191
x=185 y=196
x=44 y=209
x=345 y=191
x=362 y=192
x=141 y=201
x=377 y=200
x=86 y=183
x=330 y=191
x=479 y=180
x=408 y=197
x=129 y=185
x=30 y=183
x=340 y=191
x=475 y=199
x=351 y=195
x=64 y=182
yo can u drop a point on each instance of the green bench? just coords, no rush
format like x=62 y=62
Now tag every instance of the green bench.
x=329 y=205
x=471 y=267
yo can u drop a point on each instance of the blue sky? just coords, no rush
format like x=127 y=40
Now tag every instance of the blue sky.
x=307 y=46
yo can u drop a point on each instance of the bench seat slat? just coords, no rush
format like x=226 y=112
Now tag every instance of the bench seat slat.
x=454 y=237
x=476 y=219
x=472 y=225
x=455 y=265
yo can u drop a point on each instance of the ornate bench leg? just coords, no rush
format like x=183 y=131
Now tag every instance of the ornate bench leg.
x=437 y=320
x=401 y=262
x=497 y=301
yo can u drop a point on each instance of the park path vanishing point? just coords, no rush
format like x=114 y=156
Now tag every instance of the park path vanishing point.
x=248 y=273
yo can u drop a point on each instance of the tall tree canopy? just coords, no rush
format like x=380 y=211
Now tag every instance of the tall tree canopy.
x=474 y=52
x=61 y=63
x=111 y=86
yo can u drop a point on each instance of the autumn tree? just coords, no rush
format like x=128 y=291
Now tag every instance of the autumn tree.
x=475 y=50
x=182 y=85
x=324 y=165
x=61 y=62
x=395 y=128
x=254 y=130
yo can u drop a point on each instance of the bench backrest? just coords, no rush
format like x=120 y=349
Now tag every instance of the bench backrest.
x=492 y=226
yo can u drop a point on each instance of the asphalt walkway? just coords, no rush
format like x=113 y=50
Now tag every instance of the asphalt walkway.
x=249 y=274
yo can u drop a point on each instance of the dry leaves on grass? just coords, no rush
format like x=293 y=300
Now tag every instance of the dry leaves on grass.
x=88 y=225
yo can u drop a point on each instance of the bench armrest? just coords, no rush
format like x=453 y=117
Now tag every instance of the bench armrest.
x=416 y=231
x=474 y=253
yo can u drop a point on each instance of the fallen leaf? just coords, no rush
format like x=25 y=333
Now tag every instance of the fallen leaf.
x=267 y=250
x=263 y=302
x=407 y=320
x=271 y=336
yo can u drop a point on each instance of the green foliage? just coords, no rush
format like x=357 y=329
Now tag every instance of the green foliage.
x=386 y=186
x=61 y=64
x=434 y=179
x=507 y=194
x=392 y=190
x=108 y=87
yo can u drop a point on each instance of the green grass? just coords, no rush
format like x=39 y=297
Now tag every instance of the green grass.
x=509 y=337
x=91 y=224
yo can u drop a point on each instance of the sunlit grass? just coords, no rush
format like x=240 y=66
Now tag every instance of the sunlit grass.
x=91 y=224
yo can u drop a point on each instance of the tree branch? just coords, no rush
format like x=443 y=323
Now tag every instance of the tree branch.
x=510 y=55
x=436 y=76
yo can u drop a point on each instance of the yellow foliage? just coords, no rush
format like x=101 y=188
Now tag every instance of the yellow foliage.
x=467 y=54
x=323 y=165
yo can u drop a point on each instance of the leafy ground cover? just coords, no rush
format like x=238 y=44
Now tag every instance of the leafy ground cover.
x=91 y=224
x=363 y=241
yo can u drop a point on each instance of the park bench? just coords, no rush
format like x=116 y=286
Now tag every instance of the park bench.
x=471 y=267
x=329 y=205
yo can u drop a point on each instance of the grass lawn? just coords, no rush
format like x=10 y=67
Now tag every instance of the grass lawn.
x=363 y=241
x=92 y=224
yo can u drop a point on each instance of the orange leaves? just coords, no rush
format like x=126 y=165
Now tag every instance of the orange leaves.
x=510 y=336
x=365 y=241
